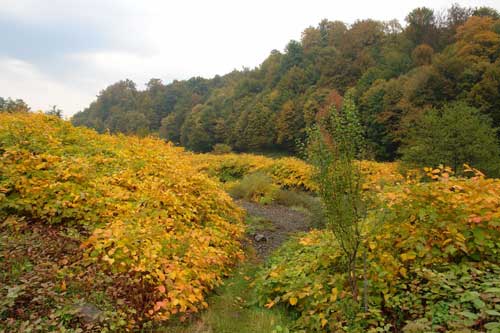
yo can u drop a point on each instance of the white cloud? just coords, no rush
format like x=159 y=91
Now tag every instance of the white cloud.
x=118 y=39
x=22 y=80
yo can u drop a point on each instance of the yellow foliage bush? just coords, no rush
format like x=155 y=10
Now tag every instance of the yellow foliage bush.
x=163 y=231
x=287 y=172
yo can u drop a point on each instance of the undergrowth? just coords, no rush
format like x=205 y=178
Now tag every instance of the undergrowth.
x=433 y=264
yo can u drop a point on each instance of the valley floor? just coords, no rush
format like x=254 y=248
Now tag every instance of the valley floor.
x=232 y=307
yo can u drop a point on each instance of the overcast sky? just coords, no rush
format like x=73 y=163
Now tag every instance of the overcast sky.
x=63 y=52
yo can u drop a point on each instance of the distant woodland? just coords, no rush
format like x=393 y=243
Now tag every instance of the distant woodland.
x=395 y=73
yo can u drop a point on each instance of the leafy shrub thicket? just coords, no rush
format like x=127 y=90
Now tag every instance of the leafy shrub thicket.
x=257 y=187
x=433 y=263
x=221 y=148
x=287 y=172
x=161 y=230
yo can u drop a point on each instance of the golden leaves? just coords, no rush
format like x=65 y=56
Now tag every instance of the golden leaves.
x=408 y=256
x=151 y=213
x=334 y=294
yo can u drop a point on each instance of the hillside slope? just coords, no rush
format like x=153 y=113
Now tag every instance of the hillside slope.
x=397 y=73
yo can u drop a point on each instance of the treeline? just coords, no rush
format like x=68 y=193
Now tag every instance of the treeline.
x=10 y=105
x=394 y=74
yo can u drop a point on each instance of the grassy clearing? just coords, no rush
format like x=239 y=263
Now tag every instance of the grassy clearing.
x=258 y=224
x=259 y=187
x=303 y=202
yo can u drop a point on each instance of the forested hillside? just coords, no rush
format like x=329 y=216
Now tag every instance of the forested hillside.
x=397 y=72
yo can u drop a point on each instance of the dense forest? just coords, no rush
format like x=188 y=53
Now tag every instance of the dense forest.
x=395 y=74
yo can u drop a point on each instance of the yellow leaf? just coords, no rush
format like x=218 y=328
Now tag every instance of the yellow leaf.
x=161 y=276
x=323 y=322
x=408 y=256
x=334 y=295
x=293 y=300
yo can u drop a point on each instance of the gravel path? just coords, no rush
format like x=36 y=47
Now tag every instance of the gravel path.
x=285 y=221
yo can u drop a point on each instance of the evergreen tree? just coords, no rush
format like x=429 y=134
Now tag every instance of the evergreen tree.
x=452 y=136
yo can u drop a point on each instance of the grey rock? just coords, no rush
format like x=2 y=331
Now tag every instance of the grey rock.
x=88 y=313
x=260 y=238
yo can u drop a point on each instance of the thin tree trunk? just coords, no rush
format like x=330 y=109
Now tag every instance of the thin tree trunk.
x=353 y=277
x=365 y=281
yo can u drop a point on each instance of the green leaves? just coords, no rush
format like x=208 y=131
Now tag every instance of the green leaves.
x=455 y=135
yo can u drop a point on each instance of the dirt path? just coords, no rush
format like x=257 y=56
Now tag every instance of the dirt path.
x=232 y=307
x=281 y=223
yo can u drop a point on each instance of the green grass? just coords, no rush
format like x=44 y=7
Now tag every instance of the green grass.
x=258 y=224
x=256 y=187
x=302 y=202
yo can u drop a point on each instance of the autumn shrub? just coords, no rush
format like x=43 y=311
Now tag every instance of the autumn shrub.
x=221 y=148
x=291 y=173
x=256 y=187
x=306 y=274
x=229 y=167
x=287 y=172
x=433 y=263
x=35 y=294
x=164 y=233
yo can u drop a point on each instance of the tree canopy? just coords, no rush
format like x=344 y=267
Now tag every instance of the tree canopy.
x=395 y=72
x=456 y=135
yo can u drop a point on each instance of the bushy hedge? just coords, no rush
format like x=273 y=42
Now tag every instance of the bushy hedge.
x=165 y=233
x=286 y=172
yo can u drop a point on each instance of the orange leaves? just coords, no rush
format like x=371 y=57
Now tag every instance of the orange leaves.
x=440 y=221
x=477 y=38
x=270 y=304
